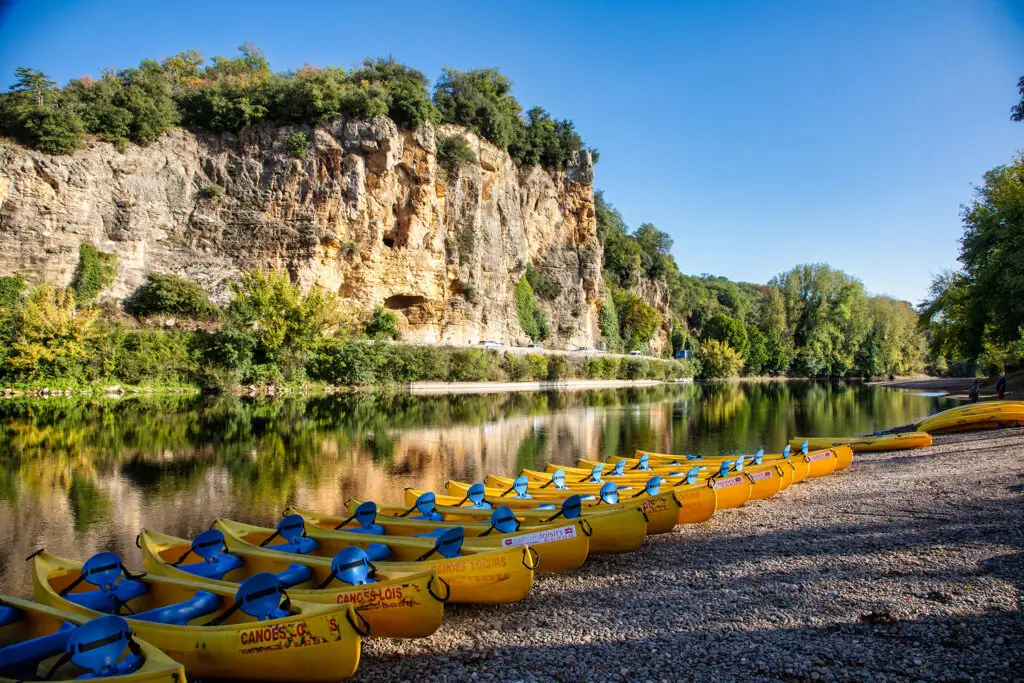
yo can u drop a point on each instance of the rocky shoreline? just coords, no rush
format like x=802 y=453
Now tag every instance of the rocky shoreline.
x=908 y=566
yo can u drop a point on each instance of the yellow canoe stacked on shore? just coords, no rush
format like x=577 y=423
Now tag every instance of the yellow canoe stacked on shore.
x=975 y=416
x=866 y=444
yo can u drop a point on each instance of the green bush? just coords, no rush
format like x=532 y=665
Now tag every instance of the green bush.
x=538 y=366
x=633 y=368
x=517 y=367
x=95 y=272
x=211 y=192
x=475 y=365
x=165 y=294
x=453 y=151
x=532 y=319
x=145 y=356
x=296 y=144
x=383 y=324
x=719 y=360
x=542 y=286
x=12 y=289
x=608 y=323
x=465 y=238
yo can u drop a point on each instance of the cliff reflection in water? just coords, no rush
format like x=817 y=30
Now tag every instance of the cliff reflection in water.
x=81 y=476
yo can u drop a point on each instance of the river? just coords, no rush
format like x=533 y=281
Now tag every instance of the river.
x=81 y=476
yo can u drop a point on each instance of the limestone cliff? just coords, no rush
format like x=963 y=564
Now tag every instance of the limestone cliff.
x=367 y=212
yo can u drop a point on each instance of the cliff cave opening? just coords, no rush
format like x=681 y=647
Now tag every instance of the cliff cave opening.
x=400 y=302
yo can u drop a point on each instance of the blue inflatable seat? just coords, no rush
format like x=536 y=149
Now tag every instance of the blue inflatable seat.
x=109 y=601
x=20 y=660
x=303 y=545
x=375 y=529
x=294 y=575
x=9 y=615
x=376 y=552
x=180 y=613
x=215 y=568
x=432 y=534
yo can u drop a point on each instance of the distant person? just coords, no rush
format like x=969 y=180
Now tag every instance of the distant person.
x=974 y=392
x=1001 y=386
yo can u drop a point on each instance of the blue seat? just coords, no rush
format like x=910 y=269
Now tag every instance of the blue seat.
x=294 y=575
x=432 y=534
x=475 y=495
x=297 y=546
x=377 y=552
x=109 y=600
x=215 y=568
x=180 y=613
x=9 y=615
x=21 y=660
x=103 y=647
x=546 y=506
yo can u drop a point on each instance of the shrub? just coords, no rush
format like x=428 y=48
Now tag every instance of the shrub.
x=518 y=368
x=719 y=360
x=296 y=144
x=633 y=368
x=557 y=368
x=145 y=356
x=638 y=321
x=542 y=286
x=453 y=151
x=532 y=319
x=165 y=294
x=475 y=365
x=12 y=288
x=349 y=249
x=211 y=192
x=51 y=334
x=465 y=238
x=538 y=366
x=95 y=271
x=608 y=323
x=383 y=324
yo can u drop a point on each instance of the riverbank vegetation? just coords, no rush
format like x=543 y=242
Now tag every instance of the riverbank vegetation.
x=811 y=321
x=227 y=94
x=271 y=333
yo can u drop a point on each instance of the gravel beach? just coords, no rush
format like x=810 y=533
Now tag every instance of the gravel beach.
x=907 y=566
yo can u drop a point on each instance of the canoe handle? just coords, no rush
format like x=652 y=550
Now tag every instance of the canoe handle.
x=586 y=528
x=527 y=551
x=447 y=589
x=34 y=554
x=364 y=629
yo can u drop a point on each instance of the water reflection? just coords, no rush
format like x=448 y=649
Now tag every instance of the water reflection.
x=83 y=476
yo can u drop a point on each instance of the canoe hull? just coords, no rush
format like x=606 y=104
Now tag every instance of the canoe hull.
x=275 y=650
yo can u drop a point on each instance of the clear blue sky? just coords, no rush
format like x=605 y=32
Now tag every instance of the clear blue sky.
x=758 y=134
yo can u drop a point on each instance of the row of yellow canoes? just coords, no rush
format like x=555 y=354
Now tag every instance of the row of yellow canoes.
x=249 y=602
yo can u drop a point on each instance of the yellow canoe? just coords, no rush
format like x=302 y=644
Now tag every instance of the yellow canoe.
x=766 y=479
x=33 y=638
x=861 y=444
x=562 y=545
x=237 y=646
x=661 y=511
x=395 y=604
x=843 y=455
x=475 y=576
x=612 y=531
x=961 y=420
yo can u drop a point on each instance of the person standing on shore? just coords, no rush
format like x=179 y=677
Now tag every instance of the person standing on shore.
x=1001 y=386
x=974 y=392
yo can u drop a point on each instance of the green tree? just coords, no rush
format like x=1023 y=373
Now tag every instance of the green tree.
x=95 y=272
x=608 y=322
x=729 y=330
x=638 y=320
x=52 y=333
x=482 y=101
x=165 y=294
x=719 y=360
x=383 y=324
x=532 y=319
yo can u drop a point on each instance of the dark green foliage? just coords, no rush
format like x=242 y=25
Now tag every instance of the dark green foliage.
x=146 y=356
x=1017 y=112
x=482 y=101
x=532 y=319
x=638 y=321
x=608 y=322
x=729 y=330
x=755 y=361
x=453 y=151
x=466 y=241
x=545 y=141
x=383 y=324
x=543 y=287
x=211 y=192
x=12 y=289
x=95 y=271
x=296 y=144
x=165 y=294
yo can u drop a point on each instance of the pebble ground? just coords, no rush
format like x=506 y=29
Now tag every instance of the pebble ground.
x=908 y=566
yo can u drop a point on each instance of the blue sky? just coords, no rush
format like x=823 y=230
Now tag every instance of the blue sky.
x=758 y=134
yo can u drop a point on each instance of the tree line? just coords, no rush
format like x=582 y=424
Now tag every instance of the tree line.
x=227 y=94
x=811 y=321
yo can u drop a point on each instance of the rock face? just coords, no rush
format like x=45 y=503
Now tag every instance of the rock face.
x=367 y=212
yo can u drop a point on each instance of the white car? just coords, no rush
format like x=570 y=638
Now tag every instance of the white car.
x=636 y=353
x=491 y=343
x=586 y=349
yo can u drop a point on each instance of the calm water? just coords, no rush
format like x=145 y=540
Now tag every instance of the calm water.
x=80 y=476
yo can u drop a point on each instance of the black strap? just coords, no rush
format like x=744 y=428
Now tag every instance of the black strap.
x=459 y=504
x=332 y=576
x=427 y=554
x=64 y=659
x=639 y=493
x=585 y=479
x=344 y=522
x=271 y=537
x=548 y=483
x=72 y=586
x=257 y=594
x=183 y=557
x=407 y=512
x=505 y=493
x=561 y=511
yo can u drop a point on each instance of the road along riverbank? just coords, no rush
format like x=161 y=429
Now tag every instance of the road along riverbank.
x=906 y=566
